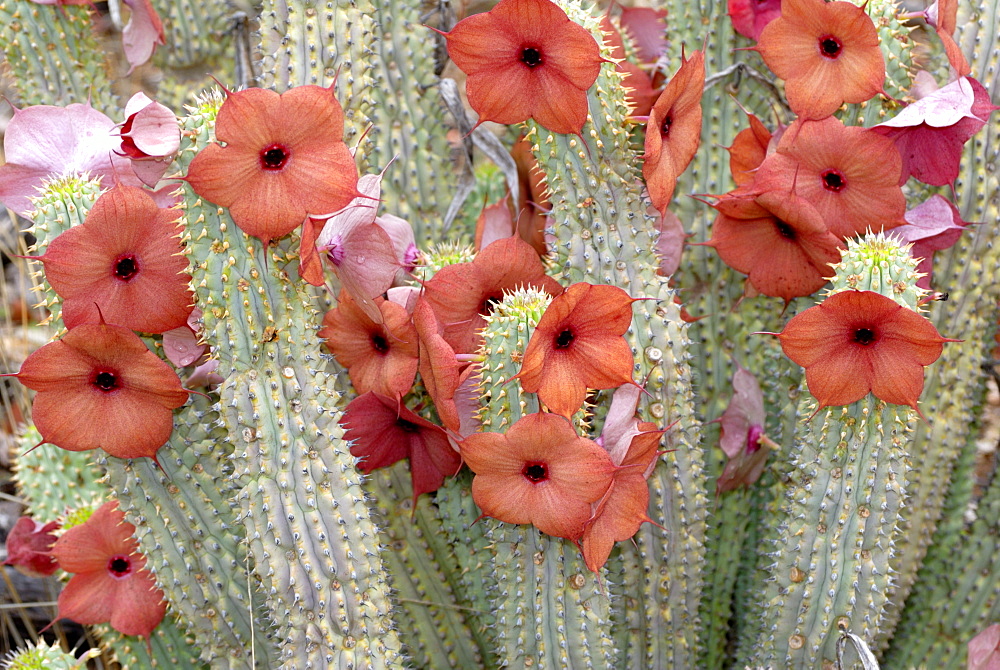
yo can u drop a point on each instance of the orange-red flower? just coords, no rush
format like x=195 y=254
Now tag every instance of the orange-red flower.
x=674 y=131
x=579 y=344
x=540 y=472
x=526 y=59
x=748 y=151
x=827 y=53
x=622 y=510
x=284 y=158
x=101 y=387
x=379 y=357
x=110 y=583
x=124 y=260
x=439 y=369
x=856 y=342
x=383 y=432
x=849 y=174
x=779 y=240
x=462 y=294
x=533 y=204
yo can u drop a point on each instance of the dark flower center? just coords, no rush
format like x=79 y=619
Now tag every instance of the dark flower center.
x=126 y=268
x=407 y=426
x=380 y=344
x=665 y=126
x=564 y=339
x=833 y=181
x=488 y=303
x=119 y=566
x=864 y=336
x=531 y=57
x=753 y=438
x=106 y=382
x=535 y=472
x=785 y=230
x=273 y=157
x=830 y=47
x=335 y=250
x=410 y=257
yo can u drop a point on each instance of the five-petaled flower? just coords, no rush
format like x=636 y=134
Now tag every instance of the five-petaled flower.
x=379 y=357
x=849 y=174
x=856 y=342
x=101 y=387
x=827 y=53
x=673 y=131
x=463 y=293
x=579 y=344
x=779 y=240
x=284 y=158
x=383 y=432
x=540 y=472
x=526 y=59
x=110 y=581
x=124 y=260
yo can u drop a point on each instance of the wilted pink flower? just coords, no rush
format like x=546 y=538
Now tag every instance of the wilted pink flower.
x=29 y=547
x=931 y=133
x=142 y=34
x=933 y=225
x=494 y=223
x=984 y=649
x=750 y=17
x=182 y=345
x=743 y=437
x=403 y=242
x=45 y=142
x=359 y=249
x=150 y=137
x=648 y=29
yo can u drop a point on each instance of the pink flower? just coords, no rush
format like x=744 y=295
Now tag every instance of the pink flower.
x=29 y=547
x=931 y=133
x=150 y=137
x=742 y=436
x=45 y=142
